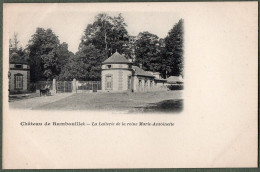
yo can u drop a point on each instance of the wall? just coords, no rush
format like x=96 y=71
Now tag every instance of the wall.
x=25 y=71
x=116 y=66
x=142 y=88
x=25 y=79
x=120 y=73
x=156 y=86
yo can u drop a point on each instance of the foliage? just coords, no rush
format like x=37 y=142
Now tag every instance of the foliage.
x=50 y=59
x=15 y=48
x=107 y=34
x=175 y=87
x=100 y=40
x=147 y=51
x=161 y=55
x=85 y=65
x=46 y=55
x=174 y=50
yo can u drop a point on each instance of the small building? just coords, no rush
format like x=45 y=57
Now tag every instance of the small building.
x=19 y=74
x=175 y=80
x=143 y=80
x=116 y=73
x=119 y=74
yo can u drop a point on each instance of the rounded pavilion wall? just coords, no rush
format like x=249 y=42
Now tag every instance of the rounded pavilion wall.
x=123 y=79
x=119 y=74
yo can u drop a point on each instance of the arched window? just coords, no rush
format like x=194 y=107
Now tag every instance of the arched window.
x=18 y=81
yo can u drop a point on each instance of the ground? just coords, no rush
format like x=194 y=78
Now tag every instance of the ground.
x=163 y=101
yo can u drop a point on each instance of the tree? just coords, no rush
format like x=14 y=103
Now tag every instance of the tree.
x=97 y=33
x=147 y=51
x=174 y=50
x=85 y=65
x=100 y=40
x=63 y=55
x=46 y=55
x=15 y=48
x=15 y=42
x=119 y=36
x=106 y=33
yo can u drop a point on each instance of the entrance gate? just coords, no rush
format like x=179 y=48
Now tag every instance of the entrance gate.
x=89 y=85
x=67 y=86
x=64 y=86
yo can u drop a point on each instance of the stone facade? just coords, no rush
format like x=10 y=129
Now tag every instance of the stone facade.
x=118 y=74
x=19 y=74
x=115 y=77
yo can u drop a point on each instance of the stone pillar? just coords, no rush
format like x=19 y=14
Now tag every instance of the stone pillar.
x=74 y=86
x=54 y=85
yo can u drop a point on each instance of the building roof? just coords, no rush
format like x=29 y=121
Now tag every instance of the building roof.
x=160 y=80
x=141 y=72
x=16 y=59
x=117 y=58
x=174 y=79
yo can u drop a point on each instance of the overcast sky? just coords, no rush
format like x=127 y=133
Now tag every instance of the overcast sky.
x=68 y=21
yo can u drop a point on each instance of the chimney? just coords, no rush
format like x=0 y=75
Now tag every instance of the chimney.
x=141 y=65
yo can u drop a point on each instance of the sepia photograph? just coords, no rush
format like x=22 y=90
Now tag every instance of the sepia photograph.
x=118 y=85
x=115 y=61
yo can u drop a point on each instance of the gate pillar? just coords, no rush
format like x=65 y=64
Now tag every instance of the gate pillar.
x=54 y=86
x=74 y=86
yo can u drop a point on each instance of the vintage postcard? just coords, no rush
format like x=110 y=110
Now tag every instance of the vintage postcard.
x=130 y=85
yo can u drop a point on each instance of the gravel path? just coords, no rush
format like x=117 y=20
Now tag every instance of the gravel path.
x=131 y=102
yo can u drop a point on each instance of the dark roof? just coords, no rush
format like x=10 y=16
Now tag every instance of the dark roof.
x=141 y=72
x=15 y=58
x=163 y=80
x=117 y=58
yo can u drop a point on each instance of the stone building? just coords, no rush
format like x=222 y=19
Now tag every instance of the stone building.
x=116 y=73
x=119 y=74
x=19 y=74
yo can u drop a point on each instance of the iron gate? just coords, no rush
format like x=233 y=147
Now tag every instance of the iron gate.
x=89 y=85
x=67 y=86
x=64 y=86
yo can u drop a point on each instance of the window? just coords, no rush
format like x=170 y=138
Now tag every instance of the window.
x=18 y=81
x=108 y=66
x=140 y=83
x=109 y=82
x=151 y=84
x=129 y=82
x=145 y=84
x=19 y=66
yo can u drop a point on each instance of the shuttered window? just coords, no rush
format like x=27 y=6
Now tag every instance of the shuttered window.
x=18 y=80
x=109 y=82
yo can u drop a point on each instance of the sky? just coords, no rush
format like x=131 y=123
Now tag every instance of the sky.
x=68 y=21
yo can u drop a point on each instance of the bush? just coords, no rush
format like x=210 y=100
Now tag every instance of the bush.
x=175 y=87
x=14 y=92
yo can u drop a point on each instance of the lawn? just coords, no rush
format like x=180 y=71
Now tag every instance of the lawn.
x=163 y=101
